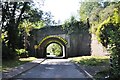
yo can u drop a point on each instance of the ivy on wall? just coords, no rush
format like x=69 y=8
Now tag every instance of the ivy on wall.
x=109 y=35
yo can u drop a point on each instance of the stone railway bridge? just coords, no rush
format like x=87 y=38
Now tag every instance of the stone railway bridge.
x=72 y=44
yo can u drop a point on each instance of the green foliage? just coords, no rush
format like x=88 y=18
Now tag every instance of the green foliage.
x=108 y=35
x=18 y=19
x=73 y=26
x=39 y=24
x=22 y=53
x=102 y=74
x=108 y=28
x=10 y=31
x=105 y=23
x=116 y=16
x=97 y=12
x=69 y=25
x=86 y=8
x=99 y=15
x=9 y=64
x=55 y=49
x=102 y=36
x=28 y=26
x=8 y=53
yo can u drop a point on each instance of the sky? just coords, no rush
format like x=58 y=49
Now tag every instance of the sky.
x=61 y=9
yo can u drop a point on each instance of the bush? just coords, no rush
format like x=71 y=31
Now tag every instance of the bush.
x=8 y=53
x=73 y=26
x=109 y=35
x=22 y=53
x=104 y=74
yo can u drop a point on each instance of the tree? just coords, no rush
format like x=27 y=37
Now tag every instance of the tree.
x=105 y=21
x=97 y=12
x=108 y=35
x=73 y=26
x=86 y=8
x=10 y=22
x=18 y=19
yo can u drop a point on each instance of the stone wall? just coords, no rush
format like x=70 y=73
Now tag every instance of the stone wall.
x=97 y=48
x=79 y=44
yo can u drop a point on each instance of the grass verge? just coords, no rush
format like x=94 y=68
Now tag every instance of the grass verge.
x=102 y=74
x=96 y=66
x=9 y=64
x=91 y=60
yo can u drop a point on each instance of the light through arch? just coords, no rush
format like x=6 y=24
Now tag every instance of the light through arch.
x=55 y=49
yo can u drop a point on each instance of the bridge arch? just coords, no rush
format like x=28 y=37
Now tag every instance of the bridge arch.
x=45 y=42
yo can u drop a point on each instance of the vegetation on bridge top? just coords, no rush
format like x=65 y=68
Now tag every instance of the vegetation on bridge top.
x=72 y=26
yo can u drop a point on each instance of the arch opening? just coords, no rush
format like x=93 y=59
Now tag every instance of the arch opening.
x=55 y=50
x=52 y=47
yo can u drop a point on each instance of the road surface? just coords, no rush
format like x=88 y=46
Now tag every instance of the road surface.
x=53 y=68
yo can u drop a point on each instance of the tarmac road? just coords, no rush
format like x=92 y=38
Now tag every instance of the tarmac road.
x=53 y=68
